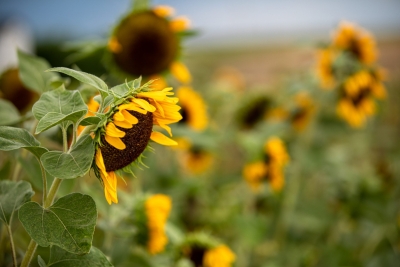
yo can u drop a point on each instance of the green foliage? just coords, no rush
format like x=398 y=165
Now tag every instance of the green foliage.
x=8 y=113
x=33 y=75
x=71 y=164
x=68 y=223
x=62 y=258
x=90 y=121
x=59 y=106
x=12 y=138
x=12 y=196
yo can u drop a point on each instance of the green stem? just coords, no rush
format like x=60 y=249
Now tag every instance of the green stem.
x=30 y=252
x=14 y=256
x=44 y=182
x=52 y=193
x=65 y=140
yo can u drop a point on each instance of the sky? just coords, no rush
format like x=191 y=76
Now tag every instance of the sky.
x=218 y=21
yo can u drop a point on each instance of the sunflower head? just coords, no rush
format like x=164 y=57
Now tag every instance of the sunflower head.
x=196 y=158
x=355 y=40
x=324 y=68
x=13 y=90
x=127 y=128
x=204 y=250
x=147 y=42
x=357 y=97
x=270 y=169
x=253 y=111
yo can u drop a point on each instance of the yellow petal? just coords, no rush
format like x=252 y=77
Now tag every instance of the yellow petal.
x=159 y=108
x=164 y=11
x=123 y=124
x=179 y=24
x=113 y=131
x=129 y=117
x=132 y=106
x=115 y=142
x=181 y=72
x=144 y=104
x=162 y=139
x=118 y=116
x=114 y=46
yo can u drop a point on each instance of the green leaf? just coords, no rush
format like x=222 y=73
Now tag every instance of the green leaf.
x=62 y=258
x=90 y=121
x=32 y=73
x=74 y=163
x=69 y=223
x=9 y=114
x=12 y=138
x=62 y=104
x=85 y=78
x=12 y=196
x=121 y=90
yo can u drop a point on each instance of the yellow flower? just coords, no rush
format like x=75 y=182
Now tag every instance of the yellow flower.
x=271 y=169
x=193 y=110
x=220 y=256
x=357 y=41
x=129 y=129
x=148 y=42
x=356 y=101
x=157 y=209
x=325 y=58
x=195 y=158
x=252 y=112
x=303 y=111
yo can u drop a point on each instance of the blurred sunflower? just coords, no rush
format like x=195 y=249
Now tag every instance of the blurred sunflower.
x=271 y=169
x=205 y=251
x=194 y=113
x=127 y=130
x=13 y=90
x=355 y=40
x=147 y=42
x=253 y=111
x=357 y=97
x=324 y=68
x=301 y=115
x=196 y=158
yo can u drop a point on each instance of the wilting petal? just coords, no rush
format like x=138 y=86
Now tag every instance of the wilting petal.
x=162 y=139
x=115 y=142
x=113 y=131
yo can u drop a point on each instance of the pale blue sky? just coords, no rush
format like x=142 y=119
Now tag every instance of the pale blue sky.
x=218 y=20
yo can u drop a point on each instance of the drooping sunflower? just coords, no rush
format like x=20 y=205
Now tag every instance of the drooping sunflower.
x=271 y=169
x=357 y=41
x=147 y=42
x=194 y=111
x=205 y=251
x=127 y=129
x=13 y=90
x=357 y=97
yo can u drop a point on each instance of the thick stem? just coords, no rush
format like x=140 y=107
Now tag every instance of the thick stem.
x=14 y=256
x=30 y=252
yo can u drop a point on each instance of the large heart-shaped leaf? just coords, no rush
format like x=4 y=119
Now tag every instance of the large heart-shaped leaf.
x=62 y=104
x=62 y=258
x=12 y=196
x=68 y=223
x=8 y=113
x=12 y=138
x=72 y=164
x=32 y=73
x=87 y=78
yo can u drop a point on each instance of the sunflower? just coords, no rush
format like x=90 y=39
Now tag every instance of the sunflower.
x=13 y=90
x=270 y=169
x=324 y=68
x=253 y=111
x=157 y=208
x=301 y=115
x=357 y=97
x=357 y=41
x=147 y=42
x=204 y=250
x=193 y=110
x=128 y=129
x=195 y=158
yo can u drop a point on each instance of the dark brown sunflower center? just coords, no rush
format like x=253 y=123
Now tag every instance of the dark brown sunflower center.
x=148 y=44
x=184 y=114
x=135 y=139
x=364 y=93
x=254 y=114
x=196 y=256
